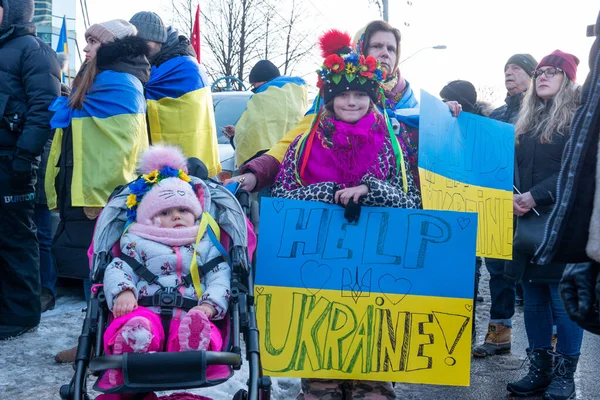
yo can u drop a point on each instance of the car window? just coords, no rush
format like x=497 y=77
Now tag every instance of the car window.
x=228 y=110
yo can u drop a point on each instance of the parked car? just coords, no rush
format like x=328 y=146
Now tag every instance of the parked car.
x=229 y=107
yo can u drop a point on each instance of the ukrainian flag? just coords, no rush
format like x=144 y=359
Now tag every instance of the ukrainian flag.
x=63 y=42
x=180 y=110
x=388 y=298
x=275 y=108
x=108 y=135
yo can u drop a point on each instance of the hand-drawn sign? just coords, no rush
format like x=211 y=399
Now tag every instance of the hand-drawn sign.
x=379 y=299
x=466 y=164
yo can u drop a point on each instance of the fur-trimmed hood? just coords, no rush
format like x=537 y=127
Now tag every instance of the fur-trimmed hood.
x=128 y=55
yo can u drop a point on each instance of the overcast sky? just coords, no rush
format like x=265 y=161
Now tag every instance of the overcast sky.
x=480 y=34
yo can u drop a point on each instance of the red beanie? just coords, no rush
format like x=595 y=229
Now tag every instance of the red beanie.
x=565 y=61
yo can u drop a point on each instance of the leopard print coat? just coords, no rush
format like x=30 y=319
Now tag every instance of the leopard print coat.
x=387 y=193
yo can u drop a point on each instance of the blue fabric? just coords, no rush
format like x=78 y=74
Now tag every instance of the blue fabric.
x=113 y=93
x=280 y=82
x=543 y=308
x=43 y=222
x=502 y=292
x=174 y=78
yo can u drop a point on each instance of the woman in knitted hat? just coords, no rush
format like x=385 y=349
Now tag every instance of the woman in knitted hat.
x=542 y=132
x=100 y=131
x=165 y=237
x=351 y=158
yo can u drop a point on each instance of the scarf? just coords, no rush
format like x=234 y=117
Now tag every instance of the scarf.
x=168 y=236
x=343 y=153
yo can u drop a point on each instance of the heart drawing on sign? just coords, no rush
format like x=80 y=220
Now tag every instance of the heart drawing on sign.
x=314 y=276
x=468 y=307
x=463 y=222
x=394 y=289
x=278 y=206
x=260 y=290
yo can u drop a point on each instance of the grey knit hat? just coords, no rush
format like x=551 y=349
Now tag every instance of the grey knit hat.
x=108 y=31
x=149 y=26
x=16 y=12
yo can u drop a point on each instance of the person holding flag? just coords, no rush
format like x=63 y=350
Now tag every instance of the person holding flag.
x=180 y=107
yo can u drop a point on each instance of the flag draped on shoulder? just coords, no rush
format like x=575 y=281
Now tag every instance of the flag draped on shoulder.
x=275 y=108
x=180 y=110
x=108 y=133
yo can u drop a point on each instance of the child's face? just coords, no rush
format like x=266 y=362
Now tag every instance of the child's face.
x=176 y=217
x=351 y=106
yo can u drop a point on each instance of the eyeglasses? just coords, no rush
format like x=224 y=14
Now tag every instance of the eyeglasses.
x=550 y=72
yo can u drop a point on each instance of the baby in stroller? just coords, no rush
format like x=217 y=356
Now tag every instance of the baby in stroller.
x=165 y=250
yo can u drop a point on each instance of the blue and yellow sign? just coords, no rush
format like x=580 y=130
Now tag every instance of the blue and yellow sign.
x=386 y=298
x=466 y=164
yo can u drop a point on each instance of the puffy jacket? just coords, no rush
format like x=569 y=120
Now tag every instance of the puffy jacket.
x=170 y=264
x=509 y=112
x=29 y=82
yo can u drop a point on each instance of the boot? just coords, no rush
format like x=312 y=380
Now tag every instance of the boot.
x=497 y=341
x=563 y=385
x=539 y=376
x=66 y=356
x=48 y=300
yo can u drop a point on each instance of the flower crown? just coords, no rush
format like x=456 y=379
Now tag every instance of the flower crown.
x=350 y=66
x=144 y=183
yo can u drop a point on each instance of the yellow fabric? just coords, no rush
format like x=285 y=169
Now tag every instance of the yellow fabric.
x=105 y=153
x=52 y=170
x=206 y=221
x=187 y=122
x=279 y=149
x=268 y=117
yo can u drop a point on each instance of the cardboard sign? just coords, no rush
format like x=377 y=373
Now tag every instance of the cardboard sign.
x=387 y=298
x=466 y=164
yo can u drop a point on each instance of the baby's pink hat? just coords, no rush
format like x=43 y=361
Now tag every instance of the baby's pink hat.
x=169 y=192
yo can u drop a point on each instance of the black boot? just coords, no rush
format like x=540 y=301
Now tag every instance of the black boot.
x=563 y=385
x=539 y=376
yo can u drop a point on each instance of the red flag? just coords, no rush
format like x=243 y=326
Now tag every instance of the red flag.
x=195 y=39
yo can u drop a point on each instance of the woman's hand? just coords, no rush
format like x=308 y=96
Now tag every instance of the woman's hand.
x=344 y=195
x=228 y=131
x=518 y=209
x=455 y=107
x=124 y=304
x=206 y=309
x=247 y=181
x=526 y=200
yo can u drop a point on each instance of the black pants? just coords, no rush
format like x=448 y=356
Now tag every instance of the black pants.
x=19 y=254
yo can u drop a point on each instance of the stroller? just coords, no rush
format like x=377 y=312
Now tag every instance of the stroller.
x=148 y=372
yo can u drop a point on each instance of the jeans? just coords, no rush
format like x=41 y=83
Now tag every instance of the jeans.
x=543 y=308
x=43 y=221
x=502 y=292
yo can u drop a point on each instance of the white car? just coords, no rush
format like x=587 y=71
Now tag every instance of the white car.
x=229 y=107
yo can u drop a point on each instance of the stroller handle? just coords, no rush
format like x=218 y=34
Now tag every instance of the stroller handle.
x=212 y=358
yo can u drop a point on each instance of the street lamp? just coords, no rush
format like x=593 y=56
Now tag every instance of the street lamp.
x=438 y=47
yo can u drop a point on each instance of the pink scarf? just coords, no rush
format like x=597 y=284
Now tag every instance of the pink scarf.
x=343 y=153
x=168 y=236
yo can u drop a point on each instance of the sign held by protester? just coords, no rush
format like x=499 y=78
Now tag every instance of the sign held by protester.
x=387 y=298
x=466 y=164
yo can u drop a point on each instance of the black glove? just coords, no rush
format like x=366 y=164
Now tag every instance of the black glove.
x=578 y=289
x=352 y=212
x=21 y=174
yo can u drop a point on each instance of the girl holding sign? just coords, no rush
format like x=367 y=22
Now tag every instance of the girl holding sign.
x=349 y=156
x=541 y=135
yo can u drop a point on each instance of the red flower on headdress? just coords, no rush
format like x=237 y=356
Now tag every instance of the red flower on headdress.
x=368 y=65
x=334 y=63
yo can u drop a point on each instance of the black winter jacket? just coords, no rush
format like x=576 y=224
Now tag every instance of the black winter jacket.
x=29 y=82
x=509 y=112
x=176 y=46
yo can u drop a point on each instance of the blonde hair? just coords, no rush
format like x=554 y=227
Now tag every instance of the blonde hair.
x=546 y=118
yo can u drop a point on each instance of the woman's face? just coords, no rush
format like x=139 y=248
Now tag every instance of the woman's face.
x=548 y=82
x=383 y=46
x=91 y=48
x=351 y=106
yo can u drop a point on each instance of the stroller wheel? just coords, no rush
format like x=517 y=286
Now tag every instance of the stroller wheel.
x=241 y=395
